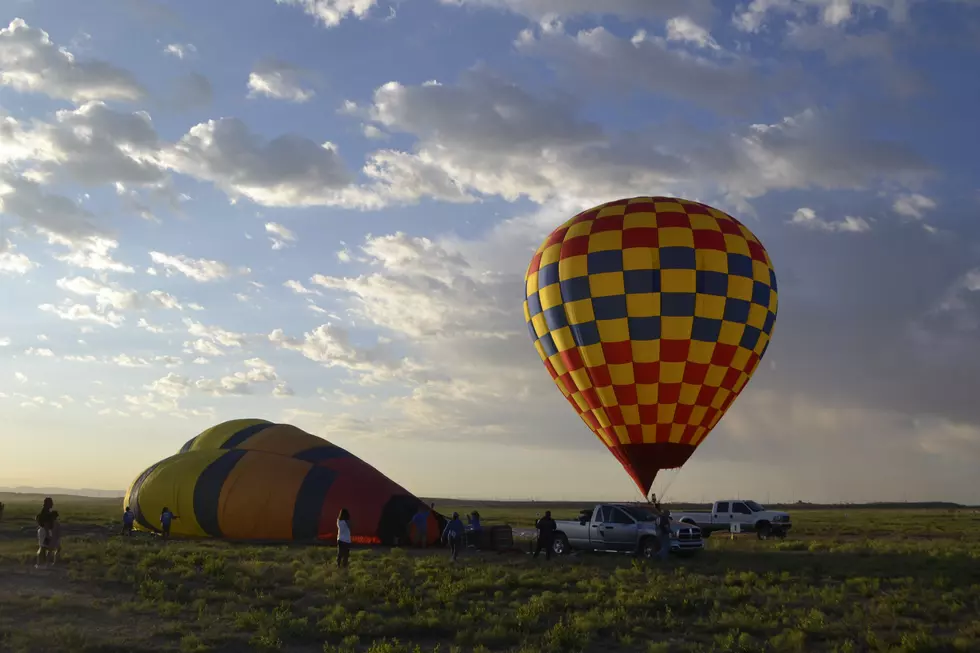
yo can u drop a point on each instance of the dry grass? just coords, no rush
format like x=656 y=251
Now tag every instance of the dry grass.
x=870 y=581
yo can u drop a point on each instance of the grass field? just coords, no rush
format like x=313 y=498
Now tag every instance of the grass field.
x=845 y=580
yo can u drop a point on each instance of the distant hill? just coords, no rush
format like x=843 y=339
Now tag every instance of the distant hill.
x=48 y=491
x=681 y=505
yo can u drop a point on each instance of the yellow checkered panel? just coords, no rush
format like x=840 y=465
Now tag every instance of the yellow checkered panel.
x=651 y=314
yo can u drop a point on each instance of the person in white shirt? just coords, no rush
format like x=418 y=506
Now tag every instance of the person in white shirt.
x=343 y=538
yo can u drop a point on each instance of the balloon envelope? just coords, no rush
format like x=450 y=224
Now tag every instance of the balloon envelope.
x=651 y=314
x=250 y=479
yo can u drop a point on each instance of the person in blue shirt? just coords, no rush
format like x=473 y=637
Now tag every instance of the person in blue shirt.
x=420 y=520
x=128 y=519
x=453 y=535
x=166 y=517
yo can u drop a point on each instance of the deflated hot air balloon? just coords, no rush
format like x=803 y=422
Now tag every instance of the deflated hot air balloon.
x=250 y=479
x=651 y=314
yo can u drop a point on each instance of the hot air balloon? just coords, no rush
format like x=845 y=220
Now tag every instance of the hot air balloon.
x=250 y=479
x=651 y=314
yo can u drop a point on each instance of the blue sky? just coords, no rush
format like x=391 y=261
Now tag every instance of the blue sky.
x=320 y=212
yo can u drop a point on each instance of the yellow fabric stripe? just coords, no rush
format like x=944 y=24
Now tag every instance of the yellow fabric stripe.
x=171 y=484
x=261 y=510
x=283 y=439
x=217 y=435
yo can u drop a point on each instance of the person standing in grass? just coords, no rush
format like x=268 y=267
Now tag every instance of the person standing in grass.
x=663 y=528
x=2 y=506
x=454 y=535
x=546 y=535
x=43 y=520
x=343 y=538
x=421 y=523
x=166 y=518
x=128 y=518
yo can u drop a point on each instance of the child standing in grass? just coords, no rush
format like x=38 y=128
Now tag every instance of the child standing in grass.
x=343 y=538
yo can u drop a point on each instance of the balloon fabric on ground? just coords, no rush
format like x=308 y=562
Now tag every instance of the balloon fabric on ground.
x=251 y=479
x=651 y=314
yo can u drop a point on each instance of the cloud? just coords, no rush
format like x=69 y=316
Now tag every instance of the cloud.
x=682 y=28
x=180 y=50
x=287 y=171
x=279 y=80
x=662 y=65
x=754 y=16
x=807 y=217
x=91 y=144
x=298 y=288
x=331 y=347
x=12 y=262
x=329 y=13
x=913 y=205
x=73 y=312
x=30 y=62
x=212 y=338
x=5 y=341
x=201 y=270
x=629 y=9
x=56 y=214
x=281 y=236
x=91 y=252
x=488 y=136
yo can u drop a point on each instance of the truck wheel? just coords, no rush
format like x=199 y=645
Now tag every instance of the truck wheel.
x=762 y=530
x=560 y=545
x=649 y=547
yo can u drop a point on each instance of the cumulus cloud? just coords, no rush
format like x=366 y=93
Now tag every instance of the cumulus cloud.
x=31 y=62
x=201 y=270
x=279 y=80
x=59 y=215
x=331 y=347
x=69 y=310
x=487 y=136
x=13 y=262
x=913 y=205
x=329 y=13
x=629 y=9
x=658 y=64
x=280 y=235
x=682 y=28
x=807 y=217
x=91 y=144
x=180 y=50
x=289 y=170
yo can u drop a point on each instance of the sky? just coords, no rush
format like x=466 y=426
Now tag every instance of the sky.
x=320 y=212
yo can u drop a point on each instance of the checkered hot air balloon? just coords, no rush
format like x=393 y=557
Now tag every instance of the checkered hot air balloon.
x=651 y=314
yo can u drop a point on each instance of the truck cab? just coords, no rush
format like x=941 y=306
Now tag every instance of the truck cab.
x=749 y=515
x=624 y=528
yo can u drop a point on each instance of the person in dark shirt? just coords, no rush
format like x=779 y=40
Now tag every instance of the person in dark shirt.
x=44 y=525
x=546 y=535
x=454 y=535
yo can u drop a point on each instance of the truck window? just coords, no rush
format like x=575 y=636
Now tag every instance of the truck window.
x=617 y=516
x=741 y=509
x=722 y=506
x=601 y=514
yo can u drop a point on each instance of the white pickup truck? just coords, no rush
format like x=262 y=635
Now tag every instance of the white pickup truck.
x=750 y=516
x=623 y=527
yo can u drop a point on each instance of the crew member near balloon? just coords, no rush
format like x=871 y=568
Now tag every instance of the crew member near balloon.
x=546 y=535
x=651 y=314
